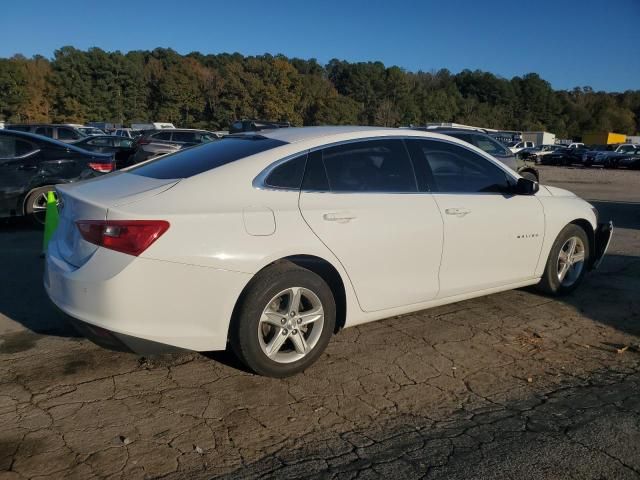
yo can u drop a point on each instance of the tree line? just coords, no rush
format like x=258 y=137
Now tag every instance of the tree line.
x=210 y=91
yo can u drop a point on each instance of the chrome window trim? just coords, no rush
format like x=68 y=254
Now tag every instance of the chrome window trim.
x=259 y=181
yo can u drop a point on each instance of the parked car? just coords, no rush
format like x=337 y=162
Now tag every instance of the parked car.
x=607 y=155
x=160 y=142
x=121 y=148
x=152 y=126
x=269 y=242
x=520 y=146
x=630 y=160
x=247 y=125
x=91 y=131
x=30 y=165
x=538 y=152
x=64 y=132
x=483 y=141
x=126 y=132
x=564 y=156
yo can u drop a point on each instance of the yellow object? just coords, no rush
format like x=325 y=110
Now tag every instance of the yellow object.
x=603 y=138
x=51 y=219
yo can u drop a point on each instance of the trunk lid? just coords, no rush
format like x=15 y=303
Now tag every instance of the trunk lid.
x=91 y=200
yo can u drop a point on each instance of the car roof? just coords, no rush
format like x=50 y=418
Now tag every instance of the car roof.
x=300 y=134
x=41 y=139
x=70 y=125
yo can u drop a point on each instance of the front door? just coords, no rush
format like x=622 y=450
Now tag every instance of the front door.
x=491 y=236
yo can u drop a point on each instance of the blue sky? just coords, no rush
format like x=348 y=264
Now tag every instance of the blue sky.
x=568 y=42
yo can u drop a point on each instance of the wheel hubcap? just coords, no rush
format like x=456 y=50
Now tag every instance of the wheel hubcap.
x=291 y=325
x=39 y=206
x=571 y=261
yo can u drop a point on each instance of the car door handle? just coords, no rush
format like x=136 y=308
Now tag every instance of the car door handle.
x=338 y=217
x=458 y=212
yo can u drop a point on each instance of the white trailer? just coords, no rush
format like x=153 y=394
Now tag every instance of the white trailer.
x=151 y=126
x=539 y=138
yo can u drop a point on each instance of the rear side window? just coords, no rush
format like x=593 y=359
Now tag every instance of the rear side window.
x=288 y=175
x=162 y=136
x=192 y=161
x=46 y=131
x=12 y=147
x=451 y=168
x=369 y=166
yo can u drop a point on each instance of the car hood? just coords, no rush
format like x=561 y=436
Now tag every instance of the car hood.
x=559 y=192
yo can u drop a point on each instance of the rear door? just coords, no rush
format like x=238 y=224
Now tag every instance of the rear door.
x=18 y=167
x=362 y=201
x=491 y=237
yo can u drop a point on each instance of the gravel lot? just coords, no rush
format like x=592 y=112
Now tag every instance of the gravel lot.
x=510 y=385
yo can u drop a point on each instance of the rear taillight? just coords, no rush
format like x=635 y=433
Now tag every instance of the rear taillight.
x=143 y=141
x=101 y=167
x=127 y=236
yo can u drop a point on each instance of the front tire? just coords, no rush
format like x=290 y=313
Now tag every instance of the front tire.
x=567 y=261
x=284 y=321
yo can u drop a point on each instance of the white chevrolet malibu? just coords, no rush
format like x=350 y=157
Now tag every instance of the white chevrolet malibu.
x=271 y=242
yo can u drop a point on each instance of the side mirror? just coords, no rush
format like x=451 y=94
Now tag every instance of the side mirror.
x=526 y=187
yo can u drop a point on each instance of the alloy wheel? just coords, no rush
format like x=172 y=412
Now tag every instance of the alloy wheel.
x=290 y=325
x=571 y=261
x=39 y=206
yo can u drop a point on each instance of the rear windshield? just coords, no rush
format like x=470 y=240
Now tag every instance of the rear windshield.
x=195 y=160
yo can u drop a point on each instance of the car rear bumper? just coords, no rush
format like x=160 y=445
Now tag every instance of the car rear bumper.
x=603 y=235
x=146 y=305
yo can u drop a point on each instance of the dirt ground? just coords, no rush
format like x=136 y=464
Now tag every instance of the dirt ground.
x=510 y=385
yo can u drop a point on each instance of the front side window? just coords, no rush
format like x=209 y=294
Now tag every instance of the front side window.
x=124 y=142
x=67 y=134
x=162 y=136
x=490 y=146
x=187 y=137
x=369 y=166
x=449 y=168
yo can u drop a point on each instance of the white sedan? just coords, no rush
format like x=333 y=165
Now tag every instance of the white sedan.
x=270 y=242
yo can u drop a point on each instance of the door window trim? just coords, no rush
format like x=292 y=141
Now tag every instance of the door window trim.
x=260 y=184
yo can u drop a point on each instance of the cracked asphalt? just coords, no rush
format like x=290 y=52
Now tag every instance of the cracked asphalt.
x=513 y=385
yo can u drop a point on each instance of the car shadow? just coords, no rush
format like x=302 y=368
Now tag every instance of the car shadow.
x=609 y=295
x=23 y=301
x=623 y=214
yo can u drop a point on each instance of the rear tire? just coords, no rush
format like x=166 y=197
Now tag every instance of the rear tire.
x=567 y=261
x=284 y=321
x=35 y=206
